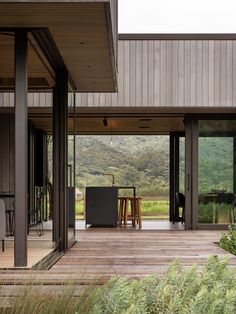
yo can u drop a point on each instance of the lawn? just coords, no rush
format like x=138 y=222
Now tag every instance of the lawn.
x=151 y=209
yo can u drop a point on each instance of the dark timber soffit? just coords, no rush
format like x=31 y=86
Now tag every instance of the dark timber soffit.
x=187 y=36
x=51 y=52
x=82 y=31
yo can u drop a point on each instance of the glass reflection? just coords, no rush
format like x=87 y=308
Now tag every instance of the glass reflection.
x=217 y=152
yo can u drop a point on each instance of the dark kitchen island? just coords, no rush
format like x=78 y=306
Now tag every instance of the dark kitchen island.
x=101 y=205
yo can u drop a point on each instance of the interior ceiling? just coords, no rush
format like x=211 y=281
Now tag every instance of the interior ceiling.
x=116 y=125
x=81 y=32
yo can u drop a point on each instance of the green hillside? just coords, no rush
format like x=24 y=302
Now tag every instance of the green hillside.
x=143 y=161
x=134 y=160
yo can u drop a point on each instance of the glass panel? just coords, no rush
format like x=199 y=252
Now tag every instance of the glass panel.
x=216 y=171
x=71 y=168
x=182 y=165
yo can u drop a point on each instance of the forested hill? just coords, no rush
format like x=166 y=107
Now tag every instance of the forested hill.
x=134 y=160
x=143 y=161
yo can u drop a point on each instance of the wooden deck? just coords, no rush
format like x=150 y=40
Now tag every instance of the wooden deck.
x=136 y=253
x=102 y=253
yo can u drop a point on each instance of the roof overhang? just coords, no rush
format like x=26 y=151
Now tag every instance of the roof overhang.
x=82 y=33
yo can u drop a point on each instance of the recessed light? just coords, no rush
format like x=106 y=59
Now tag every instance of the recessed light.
x=144 y=127
x=145 y=119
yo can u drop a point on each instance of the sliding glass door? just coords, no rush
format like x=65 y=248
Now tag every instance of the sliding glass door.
x=216 y=171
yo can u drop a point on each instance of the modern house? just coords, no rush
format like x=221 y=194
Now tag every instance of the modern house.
x=180 y=85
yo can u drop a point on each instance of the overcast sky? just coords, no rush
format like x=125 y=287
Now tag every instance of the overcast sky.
x=177 y=16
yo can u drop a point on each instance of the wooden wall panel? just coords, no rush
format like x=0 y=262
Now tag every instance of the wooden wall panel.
x=199 y=73
x=162 y=70
x=229 y=75
x=165 y=73
x=126 y=72
x=175 y=73
x=138 y=78
x=205 y=73
x=181 y=81
x=157 y=74
x=145 y=77
x=187 y=74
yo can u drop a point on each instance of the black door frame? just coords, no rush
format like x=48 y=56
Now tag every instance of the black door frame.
x=191 y=169
x=174 y=168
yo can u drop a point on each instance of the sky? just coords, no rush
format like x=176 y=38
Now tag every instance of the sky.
x=177 y=16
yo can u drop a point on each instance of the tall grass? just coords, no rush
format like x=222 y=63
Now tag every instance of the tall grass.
x=212 y=290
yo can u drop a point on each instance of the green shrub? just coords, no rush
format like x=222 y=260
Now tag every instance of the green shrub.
x=228 y=240
x=212 y=290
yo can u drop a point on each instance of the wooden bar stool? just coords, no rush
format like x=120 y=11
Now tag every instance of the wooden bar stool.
x=123 y=209
x=135 y=209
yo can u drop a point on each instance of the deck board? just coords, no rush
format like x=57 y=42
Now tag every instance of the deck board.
x=102 y=253
x=107 y=252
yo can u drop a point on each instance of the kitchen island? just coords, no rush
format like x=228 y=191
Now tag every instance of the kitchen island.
x=101 y=205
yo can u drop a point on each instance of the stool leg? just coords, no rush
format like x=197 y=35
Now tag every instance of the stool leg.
x=139 y=213
x=126 y=211
x=133 y=212
x=120 y=212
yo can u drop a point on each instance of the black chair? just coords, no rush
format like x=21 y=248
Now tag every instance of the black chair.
x=180 y=203
x=38 y=213
x=225 y=201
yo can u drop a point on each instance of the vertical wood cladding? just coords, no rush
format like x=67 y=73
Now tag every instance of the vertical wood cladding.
x=172 y=73
x=163 y=73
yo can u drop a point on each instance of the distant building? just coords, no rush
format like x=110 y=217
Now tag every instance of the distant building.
x=78 y=195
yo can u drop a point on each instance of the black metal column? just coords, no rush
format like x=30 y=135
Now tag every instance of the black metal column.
x=188 y=173
x=21 y=141
x=234 y=167
x=195 y=165
x=60 y=108
x=174 y=175
x=191 y=173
